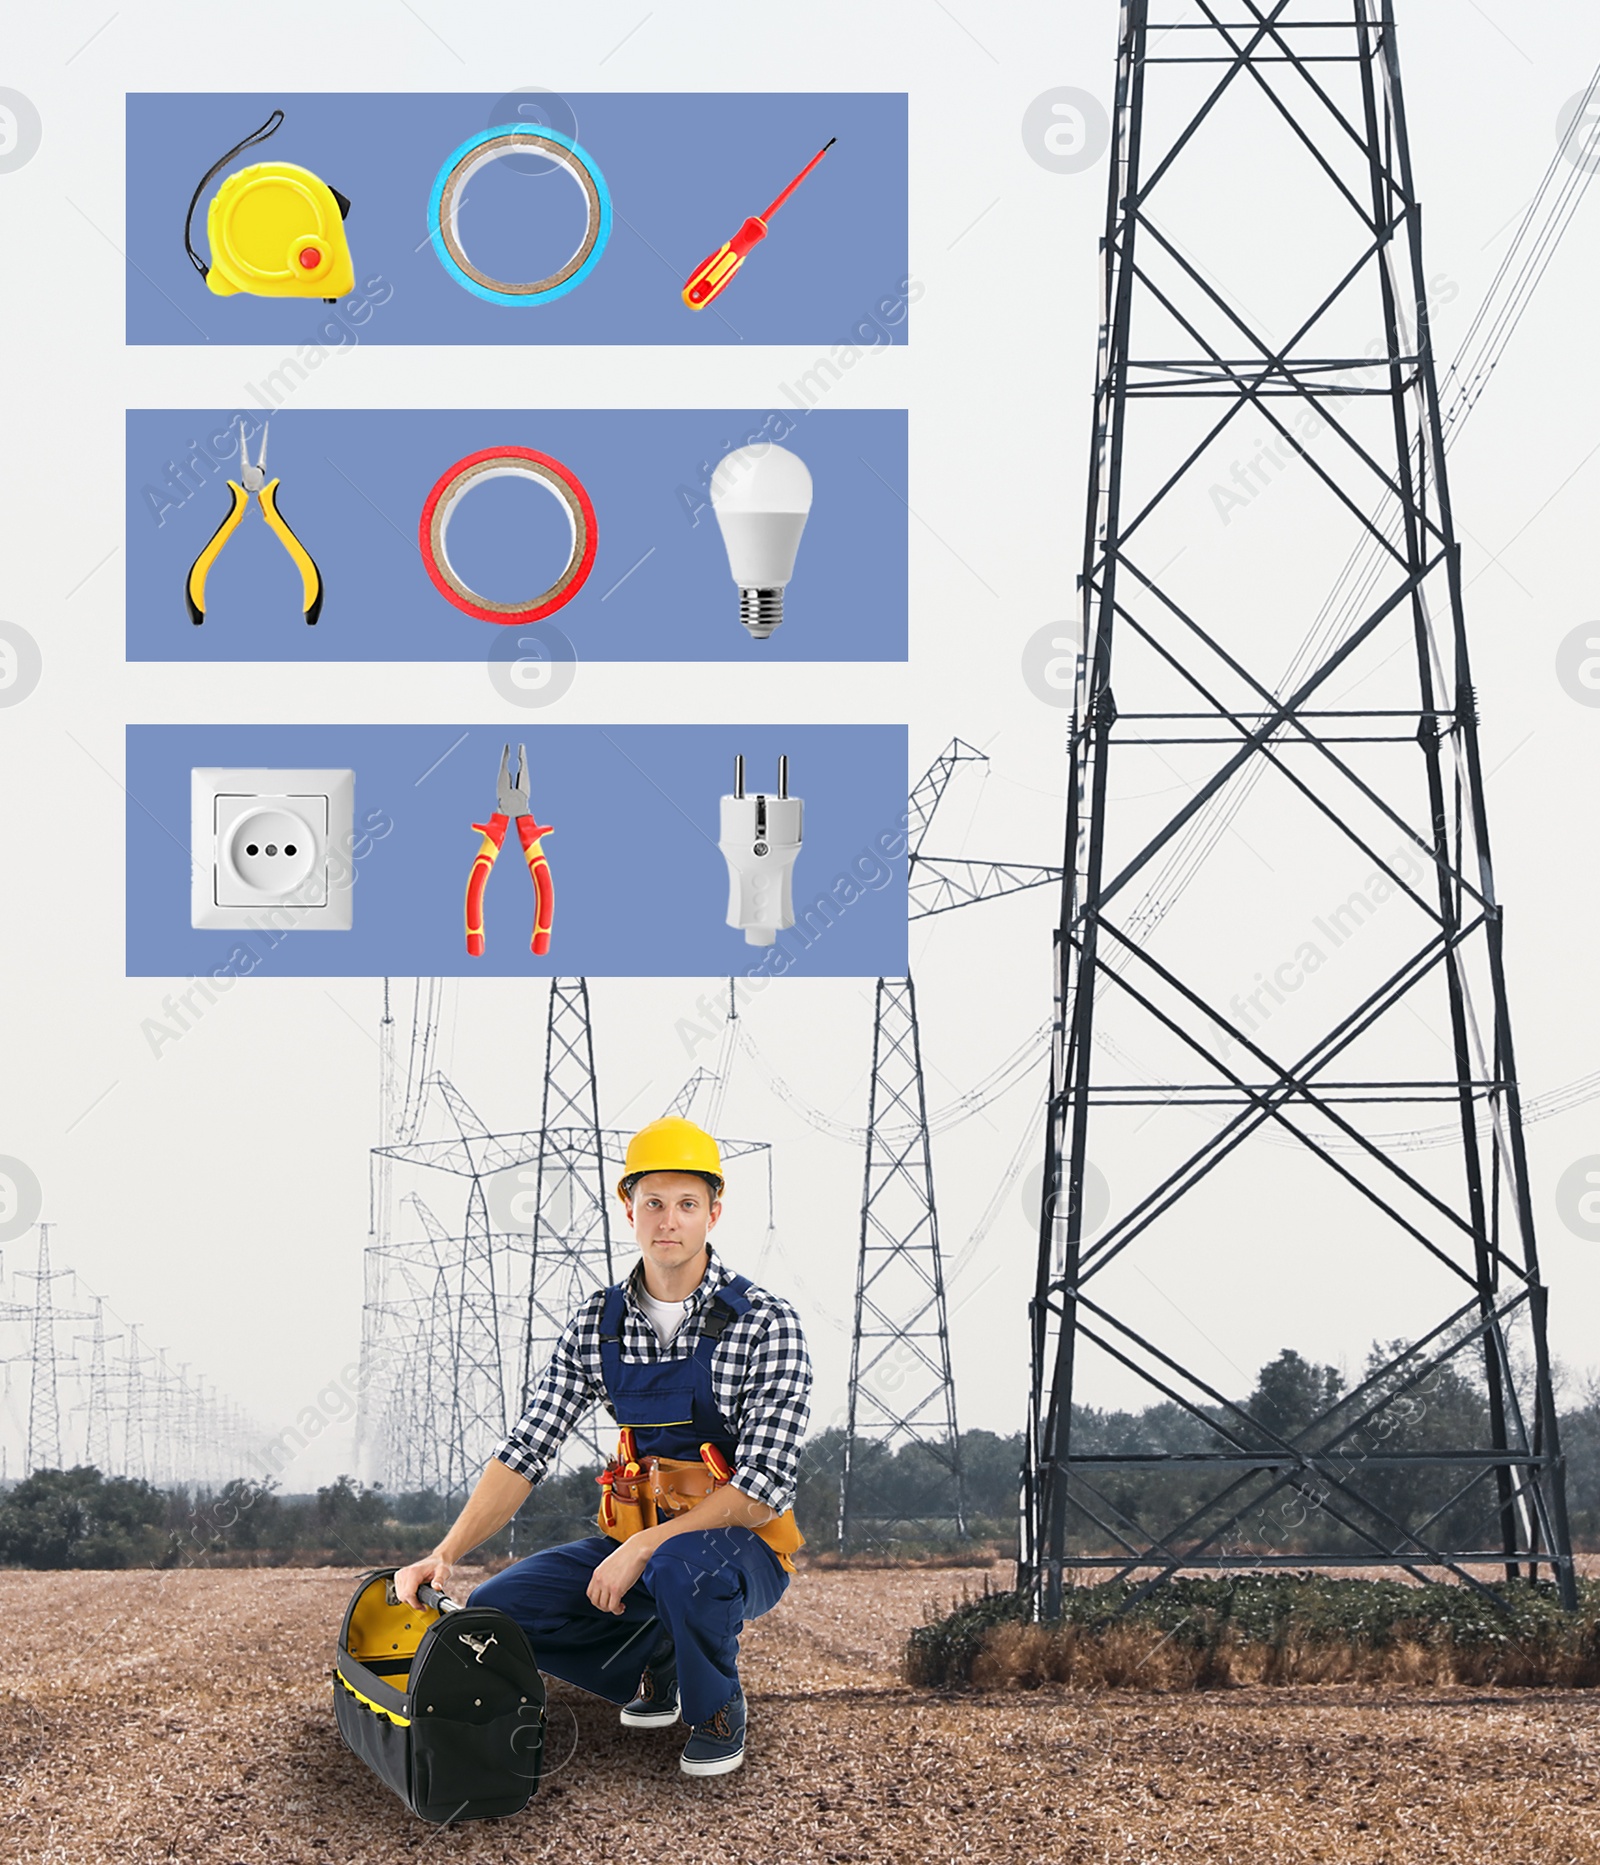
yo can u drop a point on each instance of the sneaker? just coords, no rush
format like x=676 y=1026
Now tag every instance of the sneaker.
x=716 y=1746
x=655 y=1705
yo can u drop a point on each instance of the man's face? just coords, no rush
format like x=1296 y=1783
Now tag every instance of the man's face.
x=672 y=1213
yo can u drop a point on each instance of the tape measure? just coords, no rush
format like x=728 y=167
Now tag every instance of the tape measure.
x=498 y=463
x=449 y=188
x=275 y=230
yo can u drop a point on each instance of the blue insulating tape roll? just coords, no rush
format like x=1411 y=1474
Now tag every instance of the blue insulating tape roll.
x=521 y=130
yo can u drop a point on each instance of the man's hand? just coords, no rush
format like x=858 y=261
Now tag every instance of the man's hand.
x=724 y=1507
x=496 y=1497
x=432 y=1570
x=618 y=1572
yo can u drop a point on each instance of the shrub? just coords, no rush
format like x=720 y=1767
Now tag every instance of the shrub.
x=79 y=1518
x=1265 y=1628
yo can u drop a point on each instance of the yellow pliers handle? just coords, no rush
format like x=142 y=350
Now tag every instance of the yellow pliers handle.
x=304 y=562
x=194 y=593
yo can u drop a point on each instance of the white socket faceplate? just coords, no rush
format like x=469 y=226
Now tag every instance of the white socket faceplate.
x=272 y=849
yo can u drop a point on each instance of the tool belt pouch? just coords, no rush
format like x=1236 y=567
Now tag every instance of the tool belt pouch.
x=638 y=1493
x=622 y=1513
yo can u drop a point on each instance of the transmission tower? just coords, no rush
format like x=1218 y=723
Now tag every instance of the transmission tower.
x=407 y=1372
x=97 y=1402
x=167 y=1443
x=134 y=1379
x=43 y=1448
x=1365 y=749
x=571 y=1201
x=901 y=1386
x=402 y=1101
x=477 y=1289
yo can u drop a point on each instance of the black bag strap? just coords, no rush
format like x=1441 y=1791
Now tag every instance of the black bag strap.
x=267 y=129
x=724 y=1308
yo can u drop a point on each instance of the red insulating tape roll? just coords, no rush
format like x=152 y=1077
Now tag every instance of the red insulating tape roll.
x=494 y=463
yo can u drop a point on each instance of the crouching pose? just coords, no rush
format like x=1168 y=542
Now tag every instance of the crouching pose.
x=709 y=1381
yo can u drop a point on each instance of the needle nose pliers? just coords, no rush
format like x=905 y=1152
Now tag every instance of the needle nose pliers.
x=512 y=799
x=264 y=491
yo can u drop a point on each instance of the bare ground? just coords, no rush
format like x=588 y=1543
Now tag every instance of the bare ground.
x=188 y=1716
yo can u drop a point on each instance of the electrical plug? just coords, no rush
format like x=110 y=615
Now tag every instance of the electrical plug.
x=760 y=837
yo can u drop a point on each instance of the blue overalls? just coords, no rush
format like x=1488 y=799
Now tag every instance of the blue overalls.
x=696 y=1590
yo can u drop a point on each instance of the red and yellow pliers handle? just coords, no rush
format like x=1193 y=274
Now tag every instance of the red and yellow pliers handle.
x=494 y=834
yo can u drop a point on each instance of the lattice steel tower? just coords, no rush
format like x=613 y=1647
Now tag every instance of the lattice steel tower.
x=457 y=1287
x=98 y=1402
x=134 y=1370
x=43 y=1447
x=571 y=1206
x=901 y=1386
x=1276 y=717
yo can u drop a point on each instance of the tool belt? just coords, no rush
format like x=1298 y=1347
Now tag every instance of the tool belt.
x=637 y=1492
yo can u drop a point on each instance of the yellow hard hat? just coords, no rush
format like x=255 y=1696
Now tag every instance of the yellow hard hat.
x=671 y=1144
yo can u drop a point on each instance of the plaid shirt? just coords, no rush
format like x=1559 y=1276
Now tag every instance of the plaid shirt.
x=760 y=1376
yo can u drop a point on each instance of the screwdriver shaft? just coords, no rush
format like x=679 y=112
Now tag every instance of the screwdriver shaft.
x=799 y=178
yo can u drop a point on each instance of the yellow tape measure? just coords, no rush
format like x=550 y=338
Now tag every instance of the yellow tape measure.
x=275 y=230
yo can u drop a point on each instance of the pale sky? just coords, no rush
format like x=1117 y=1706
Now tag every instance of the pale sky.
x=217 y=1194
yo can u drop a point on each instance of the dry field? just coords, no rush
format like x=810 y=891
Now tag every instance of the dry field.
x=188 y=1717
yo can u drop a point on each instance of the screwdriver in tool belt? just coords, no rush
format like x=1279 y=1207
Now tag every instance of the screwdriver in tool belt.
x=713 y=276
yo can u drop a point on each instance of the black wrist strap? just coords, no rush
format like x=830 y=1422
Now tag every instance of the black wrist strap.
x=260 y=135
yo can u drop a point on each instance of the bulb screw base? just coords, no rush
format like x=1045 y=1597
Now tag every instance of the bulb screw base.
x=760 y=610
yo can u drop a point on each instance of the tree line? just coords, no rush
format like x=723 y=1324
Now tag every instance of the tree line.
x=903 y=1499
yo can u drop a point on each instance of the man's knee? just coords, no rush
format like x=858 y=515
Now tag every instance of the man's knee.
x=493 y=1591
x=702 y=1569
x=512 y=1591
x=548 y=1583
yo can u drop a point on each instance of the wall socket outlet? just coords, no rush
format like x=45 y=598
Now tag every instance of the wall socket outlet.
x=272 y=849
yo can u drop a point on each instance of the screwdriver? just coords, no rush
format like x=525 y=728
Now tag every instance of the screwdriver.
x=714 y=275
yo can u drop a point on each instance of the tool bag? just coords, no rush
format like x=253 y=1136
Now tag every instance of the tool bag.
x=444 y=1703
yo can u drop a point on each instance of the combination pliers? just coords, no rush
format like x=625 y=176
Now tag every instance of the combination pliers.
x=512 y=798
x=264 y=491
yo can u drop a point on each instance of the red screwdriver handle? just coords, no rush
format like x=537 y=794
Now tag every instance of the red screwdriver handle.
x=715 y=274
x=753 y=230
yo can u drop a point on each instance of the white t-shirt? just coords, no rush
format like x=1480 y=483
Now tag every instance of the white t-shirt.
x=665 y=1317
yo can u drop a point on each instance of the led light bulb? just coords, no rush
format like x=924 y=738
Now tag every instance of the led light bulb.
x=759 y=839
x=761 y=495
